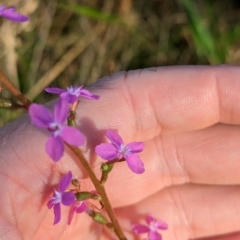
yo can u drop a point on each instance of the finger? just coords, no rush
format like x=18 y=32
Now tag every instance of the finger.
x=145 y=102
x=207 y=156
x=191 y=211
x=233 y=236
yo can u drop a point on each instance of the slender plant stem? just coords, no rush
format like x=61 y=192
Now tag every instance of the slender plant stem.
x=74 y=106
x=101 y=190
x=14 y=90
x=72 y=114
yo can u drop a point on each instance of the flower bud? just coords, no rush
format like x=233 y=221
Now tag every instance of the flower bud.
x=4 y=103
x=81 y=196
x=76 y=183
x=98 y=217
x=96 y=197
x=106 y=168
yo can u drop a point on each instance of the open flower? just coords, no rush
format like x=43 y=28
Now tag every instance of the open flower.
x=117 y=150
x=153 y=226
x=11 y=14
x=61 y=197
x=77 y=207
x=71 y=94
x=43 y=118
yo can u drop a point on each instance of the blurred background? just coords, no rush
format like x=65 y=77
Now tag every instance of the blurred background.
x=73 y=42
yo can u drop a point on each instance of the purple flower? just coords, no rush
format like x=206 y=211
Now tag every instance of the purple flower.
x=72 y=93
x=151 y=229
x=117 y=150
x=11 y=14
x=61 y=197
x=43 y=118
x=77 y=207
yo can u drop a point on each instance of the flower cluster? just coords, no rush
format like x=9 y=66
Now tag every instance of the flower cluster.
x=11 y=14
x=68 y=193
x=113 y=152
x=60 y=133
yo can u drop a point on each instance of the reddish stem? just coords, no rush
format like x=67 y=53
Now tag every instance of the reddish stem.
x=101 y=191
x=13 y=90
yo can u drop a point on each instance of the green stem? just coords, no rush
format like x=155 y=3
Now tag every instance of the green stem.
x=101 y=190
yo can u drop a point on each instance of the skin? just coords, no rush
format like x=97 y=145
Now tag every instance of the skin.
x=188 y=118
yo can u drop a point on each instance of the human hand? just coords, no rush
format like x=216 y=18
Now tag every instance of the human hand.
x=188 y=118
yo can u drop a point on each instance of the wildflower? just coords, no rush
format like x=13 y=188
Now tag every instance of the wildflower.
x=151 y=229
x=43 y=118
x=117 y=150
x=11 y=14
x=71 y=94
x=77 y=207
x=61 y=197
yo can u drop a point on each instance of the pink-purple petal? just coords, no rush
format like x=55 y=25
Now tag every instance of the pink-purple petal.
x=50 y=203
x=57 y=213
x=68 y=198
x=78 y=207
x=154 y=235
x=82 y=207
x=135 y=147
x=69 y=97
x=106 y=151
x=72 y=136
x=65 y=181
x=55 y=148
x=86 y=94
x=11 y=14
x=61 y=111
x=161 y=225
x=135 y=163
x=54 y=90
x=140 y=228
x=114 y=137
x=78 y=90
x=149 y=218
x=71 y=214
x=40 y=115
x=158 y=223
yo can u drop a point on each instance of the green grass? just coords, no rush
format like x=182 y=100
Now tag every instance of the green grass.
x=91 y=13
